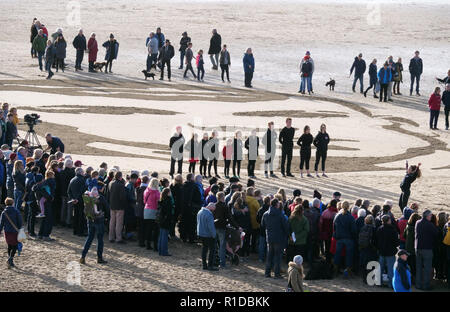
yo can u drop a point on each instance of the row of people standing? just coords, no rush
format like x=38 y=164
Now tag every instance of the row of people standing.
x=207 y=152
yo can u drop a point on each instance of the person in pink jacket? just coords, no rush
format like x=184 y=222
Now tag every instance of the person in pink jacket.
x=151 y=229
x=434 y=103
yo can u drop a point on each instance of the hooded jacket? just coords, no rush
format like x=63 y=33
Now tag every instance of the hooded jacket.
x=434 y=103
x=253 y=207
x=384 y=75
x=359 y=65
x=112 y=49
x=295 y=277
x=401 y=282
x=249 y=63
x=276 y=226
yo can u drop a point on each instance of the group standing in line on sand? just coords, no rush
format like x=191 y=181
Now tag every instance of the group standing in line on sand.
x=207 y=151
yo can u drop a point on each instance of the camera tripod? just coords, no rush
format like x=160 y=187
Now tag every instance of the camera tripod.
x=32 y=139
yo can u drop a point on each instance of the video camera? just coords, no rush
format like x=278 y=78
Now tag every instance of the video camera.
x=32 y=119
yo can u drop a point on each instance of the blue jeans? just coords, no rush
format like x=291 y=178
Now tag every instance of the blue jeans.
x=222 y=245
x=348 y=243
x=47 y=223
x=305 y=83
x=40 y=56
x=361 y=82
x=151 y=60
x=95 y=227
x=163 y=240
x=182 y=54
x=417 y=78
x=274 y=254
x=262 y=248
x=18 y=199
x=389 y=263
x=48 y=67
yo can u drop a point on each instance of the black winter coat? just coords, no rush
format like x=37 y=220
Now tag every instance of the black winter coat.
x=77 y=187
x=321 y=141
x=215 y=44
x=165 y=213
x=79 y=42
x=117 y=195
x=387 y=240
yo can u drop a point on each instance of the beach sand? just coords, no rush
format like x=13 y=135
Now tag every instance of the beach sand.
x=126 y=121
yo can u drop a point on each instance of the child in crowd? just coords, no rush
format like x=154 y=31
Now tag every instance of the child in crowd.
x=46 y=191
x=200 y=67
x=295 y=275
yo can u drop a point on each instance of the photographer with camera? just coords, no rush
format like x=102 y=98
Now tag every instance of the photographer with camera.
x=54 y=144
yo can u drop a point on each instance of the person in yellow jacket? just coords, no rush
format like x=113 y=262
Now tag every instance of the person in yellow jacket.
x=253 y=207
x=15 y=120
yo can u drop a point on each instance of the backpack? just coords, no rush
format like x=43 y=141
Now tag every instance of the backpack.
x=446 y=240
x=39 y=192
x=320 y=270
x=89 y=203
x=365 y=237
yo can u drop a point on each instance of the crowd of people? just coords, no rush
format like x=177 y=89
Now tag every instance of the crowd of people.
x=146 y=209
x=386 y=81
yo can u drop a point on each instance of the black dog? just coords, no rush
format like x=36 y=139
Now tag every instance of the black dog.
x=331 y=83
x=99 y=66
x=320 y=270
x=148 y=74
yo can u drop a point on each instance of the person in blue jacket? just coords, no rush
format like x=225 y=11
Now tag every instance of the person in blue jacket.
x=401 y=282
x=249 y=67
x=384 y=77
x=373 y=78
x=11 y=222
x=207 y=234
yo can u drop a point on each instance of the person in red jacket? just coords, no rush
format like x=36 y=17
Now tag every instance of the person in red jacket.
x=326 y=227
x=93 y=49
x=434 y=103
x=227 y=153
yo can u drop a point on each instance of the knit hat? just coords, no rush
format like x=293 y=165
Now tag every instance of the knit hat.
x=298 y=260
x=297 y=193
x=111 y=36
x=402 y=252
x=308 y=53
x=425 y=214
x=317 y=194
x=250 y=183
x=407 y=212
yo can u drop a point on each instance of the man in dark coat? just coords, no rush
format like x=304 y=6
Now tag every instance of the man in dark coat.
x=176 y=145
x=249 y=67
x=286 y=139
x=75 y=191
x=192 y=204
x=277 y=231
x=359 y=65
x=185 y=39
x=79 y=43
x=165 y=55
x=415 y=69
x=387 y=242
x=426 y=234
x=117 y=202
x=215 y=45
x=112 y=49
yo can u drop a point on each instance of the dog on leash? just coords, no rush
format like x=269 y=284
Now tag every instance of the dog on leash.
x=331 y=84
x=99 y=66
x=148 y=74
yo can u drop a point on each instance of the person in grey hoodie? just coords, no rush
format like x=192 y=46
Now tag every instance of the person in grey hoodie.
x=189 y=56
x=152 y=49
